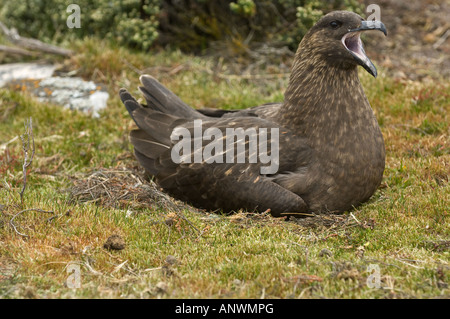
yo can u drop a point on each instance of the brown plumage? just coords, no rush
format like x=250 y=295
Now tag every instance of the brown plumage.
x=331 y=150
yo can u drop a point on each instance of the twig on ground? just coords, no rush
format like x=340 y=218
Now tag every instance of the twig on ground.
x=181 y=215
x=353 y=216
x=91 y=269
x=442 y=39
x=32 y=44
x=298 y=214
x=409 y=264
x=16 y=51
x=26 y=149
x=11 y=222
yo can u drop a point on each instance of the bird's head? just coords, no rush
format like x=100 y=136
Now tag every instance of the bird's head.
x=336 y=39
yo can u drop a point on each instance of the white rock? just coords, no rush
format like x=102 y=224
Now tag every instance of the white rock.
x=17 y=71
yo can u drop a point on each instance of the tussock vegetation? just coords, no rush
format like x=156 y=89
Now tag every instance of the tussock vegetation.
x=83 y=172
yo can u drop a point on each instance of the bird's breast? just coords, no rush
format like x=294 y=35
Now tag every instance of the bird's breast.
x=348 y=169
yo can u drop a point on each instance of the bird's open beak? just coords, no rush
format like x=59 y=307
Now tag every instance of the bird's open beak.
x=352 y=42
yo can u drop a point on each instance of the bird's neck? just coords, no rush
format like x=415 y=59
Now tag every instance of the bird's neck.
x=322 y=99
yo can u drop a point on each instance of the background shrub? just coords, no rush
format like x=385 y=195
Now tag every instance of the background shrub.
x=190 y=25
x=129 y=22
x=193 y=25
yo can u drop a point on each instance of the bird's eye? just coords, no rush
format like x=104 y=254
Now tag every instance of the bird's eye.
x=335 y=24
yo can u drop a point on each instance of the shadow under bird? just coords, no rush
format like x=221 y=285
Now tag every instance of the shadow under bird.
x=331 y=150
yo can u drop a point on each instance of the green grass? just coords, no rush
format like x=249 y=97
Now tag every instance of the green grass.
x=403 y=229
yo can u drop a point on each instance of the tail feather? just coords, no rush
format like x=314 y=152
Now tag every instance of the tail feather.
x=145 y=144
x=129 y=101
x=147 y=163
x=161 y=99
x=156 y=121
x=156 y=124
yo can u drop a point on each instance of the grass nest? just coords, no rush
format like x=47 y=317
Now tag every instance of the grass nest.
x=121 y=188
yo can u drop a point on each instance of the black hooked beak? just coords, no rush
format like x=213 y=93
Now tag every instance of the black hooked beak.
x=352 y=42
